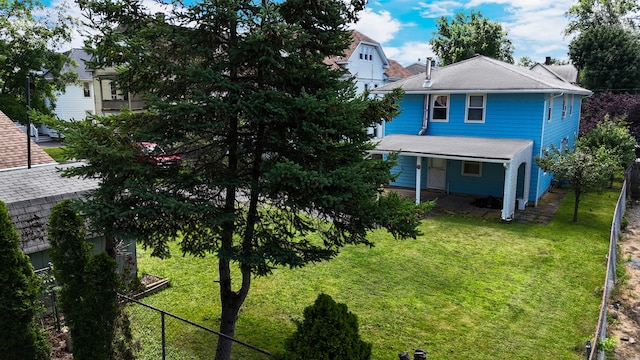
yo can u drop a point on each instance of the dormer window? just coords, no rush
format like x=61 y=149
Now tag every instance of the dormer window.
x=366 y=52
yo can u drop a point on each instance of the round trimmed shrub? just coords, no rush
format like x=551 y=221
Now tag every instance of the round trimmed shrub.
x=329 y=331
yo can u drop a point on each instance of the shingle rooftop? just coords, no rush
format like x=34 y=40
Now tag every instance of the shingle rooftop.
x=484 y=74
x=461 y=147
x=13 y=147
x=31 y=193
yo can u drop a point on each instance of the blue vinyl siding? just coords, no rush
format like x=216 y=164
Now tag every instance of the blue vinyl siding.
x=406 y=168
x=507 y=116
x=410 y=119
x=491 y=183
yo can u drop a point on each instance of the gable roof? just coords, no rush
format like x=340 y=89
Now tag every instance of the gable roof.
x=486 y=75
x=565 y=72
x=79 y=56
x=13 y=147
x=357 y=38
x=31 y=193
x=416 y=68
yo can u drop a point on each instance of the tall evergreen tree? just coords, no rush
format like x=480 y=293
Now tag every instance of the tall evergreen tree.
x=88 y=284
x=19 y=288
x=274 y=144
x=467 y=35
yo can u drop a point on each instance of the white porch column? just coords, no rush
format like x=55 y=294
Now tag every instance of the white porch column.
x=418 y=177
x=509 y=197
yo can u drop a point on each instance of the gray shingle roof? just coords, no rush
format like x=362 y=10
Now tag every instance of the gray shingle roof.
x=484 y=74
x=462 y=147
x=31 y=193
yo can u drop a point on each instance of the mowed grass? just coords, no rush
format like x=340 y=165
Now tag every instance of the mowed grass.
x=57 y=153
x=468 y=288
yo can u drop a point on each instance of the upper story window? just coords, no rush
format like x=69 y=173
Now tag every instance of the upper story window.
x=475 y=108
x=549 y=108
x=114 y=90
x=565 y=99
x=440 y=108
x=571 y=105
x=366 y=53
x=86 y=88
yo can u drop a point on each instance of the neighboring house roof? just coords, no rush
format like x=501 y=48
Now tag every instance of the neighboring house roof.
x=397 y=71
x=485 y=75
x=565 y=72
x=13 y=147
x=416 y=68
x=79 y=56
x=31 y=193
x=357 y=38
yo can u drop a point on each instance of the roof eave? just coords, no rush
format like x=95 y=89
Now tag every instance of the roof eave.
x=489 y=91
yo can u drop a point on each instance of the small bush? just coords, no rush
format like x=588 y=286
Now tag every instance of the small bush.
x=329 y=331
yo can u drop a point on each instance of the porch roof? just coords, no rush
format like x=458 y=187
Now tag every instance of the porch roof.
x=453 y=147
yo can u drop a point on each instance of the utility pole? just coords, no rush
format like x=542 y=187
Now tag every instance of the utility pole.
x=28 y=123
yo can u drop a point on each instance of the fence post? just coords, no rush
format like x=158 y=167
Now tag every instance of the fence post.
x=164 y=352
x=588 y=347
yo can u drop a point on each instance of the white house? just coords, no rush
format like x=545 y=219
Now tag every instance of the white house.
x=78 y=100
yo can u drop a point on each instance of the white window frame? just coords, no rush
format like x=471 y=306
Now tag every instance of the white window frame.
x=465 y=173
x=86 y=89
x=433 y=106
x=550 y=108
x=565 y=99
x=484 y=109
x=571 y=105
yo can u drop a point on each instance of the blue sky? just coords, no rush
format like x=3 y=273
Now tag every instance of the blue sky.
x=404 y=27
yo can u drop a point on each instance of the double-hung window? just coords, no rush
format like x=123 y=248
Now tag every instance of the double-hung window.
x=475 y=108
x=440 y=108
x=565 y=99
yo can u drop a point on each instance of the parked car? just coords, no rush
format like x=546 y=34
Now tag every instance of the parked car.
x=155 y=155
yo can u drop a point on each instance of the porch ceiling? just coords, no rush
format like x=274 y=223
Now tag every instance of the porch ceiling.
x=453 y=147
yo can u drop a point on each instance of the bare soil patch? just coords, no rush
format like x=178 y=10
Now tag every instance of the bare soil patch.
x=625 y=306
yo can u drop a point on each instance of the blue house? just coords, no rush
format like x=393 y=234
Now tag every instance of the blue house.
x=475 y=126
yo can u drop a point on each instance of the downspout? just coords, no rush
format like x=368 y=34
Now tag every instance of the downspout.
x=427 y=84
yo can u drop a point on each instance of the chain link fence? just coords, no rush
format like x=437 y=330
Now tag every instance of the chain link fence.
x=161 y=335
x=593 y=351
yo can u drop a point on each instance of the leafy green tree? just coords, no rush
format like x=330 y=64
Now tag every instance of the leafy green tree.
x=613 y=135
x=88 y=284
x=29 y=29
x=273 y=143
x=328 y=331
x=607 y=57
x=19 y=288
x=589 y=14
x=467 y=35
x=586 y=169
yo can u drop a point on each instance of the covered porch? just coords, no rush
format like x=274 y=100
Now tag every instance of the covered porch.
x=514 y=156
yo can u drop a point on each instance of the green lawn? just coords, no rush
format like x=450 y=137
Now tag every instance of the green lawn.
x=57 y=153
x=467 y=289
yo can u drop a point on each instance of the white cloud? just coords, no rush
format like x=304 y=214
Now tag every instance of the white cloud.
x=438 y=9
x=409 y=53
x=378 y=26
x=73 y=10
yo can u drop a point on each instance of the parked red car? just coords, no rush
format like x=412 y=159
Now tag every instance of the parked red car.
x=156 y=156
